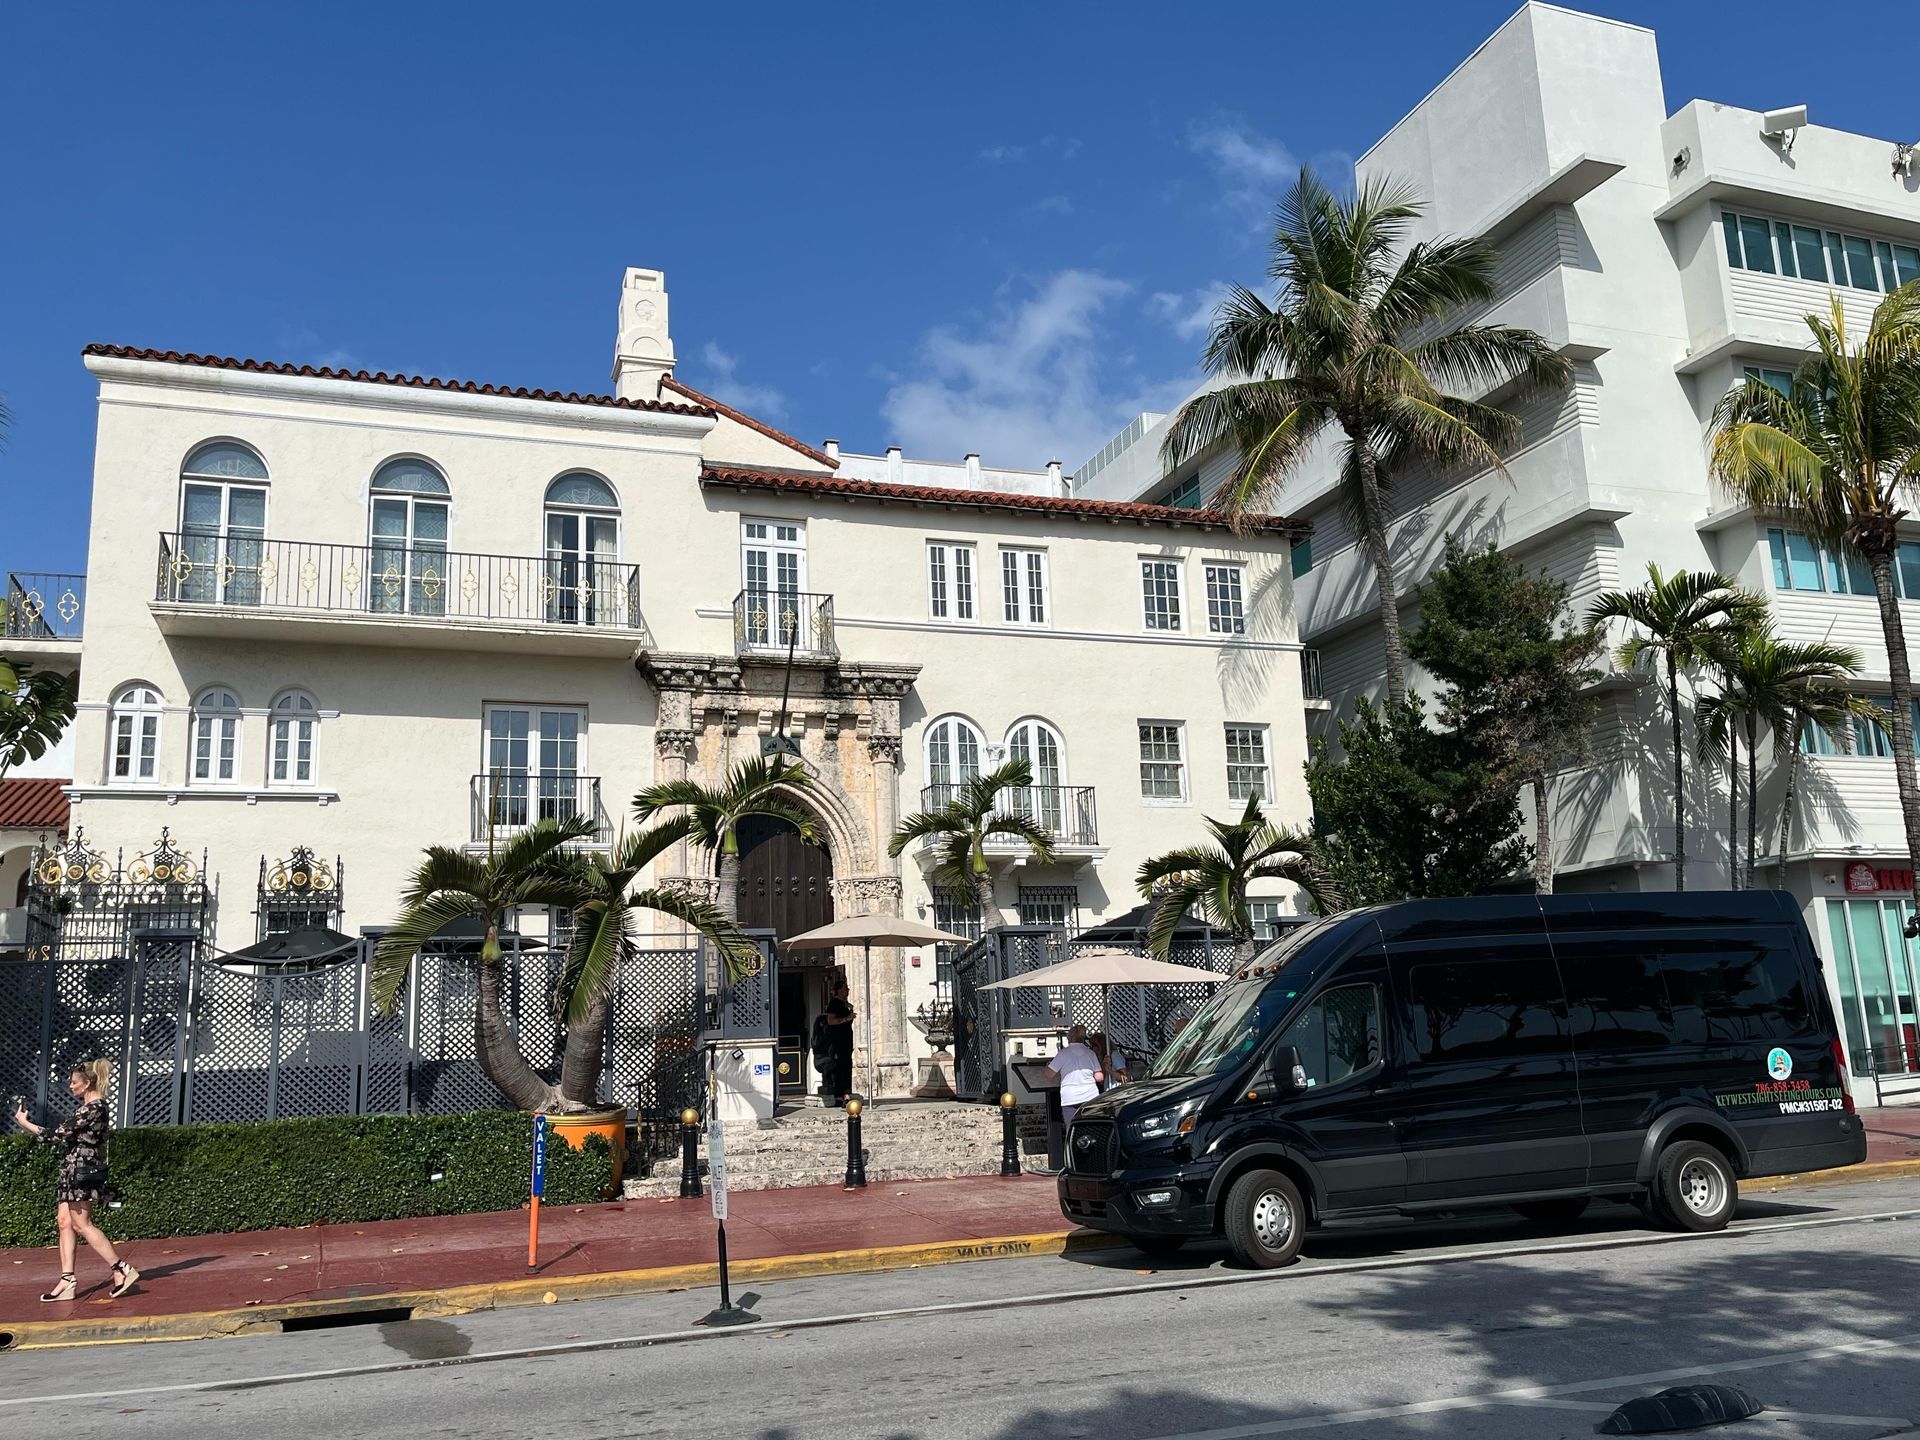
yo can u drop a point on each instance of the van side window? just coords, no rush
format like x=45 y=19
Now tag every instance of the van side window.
x=1735 y=990
x=1338 y=1034
x=1494 y=1009
x=1616 y=1000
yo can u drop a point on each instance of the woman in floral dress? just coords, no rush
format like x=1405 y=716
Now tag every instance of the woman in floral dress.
x=82 y=1141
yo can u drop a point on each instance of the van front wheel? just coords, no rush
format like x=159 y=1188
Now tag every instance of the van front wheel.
x=1694 y=1187
x=1266 y=1220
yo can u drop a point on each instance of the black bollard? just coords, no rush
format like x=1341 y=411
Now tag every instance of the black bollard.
x=1009 y=1143
x=690 y=1155
x=856 y=1159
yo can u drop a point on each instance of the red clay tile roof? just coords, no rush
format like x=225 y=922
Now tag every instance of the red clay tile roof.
x=992 y=500
x=381 y=377
x=33 y=805
x=669 y=383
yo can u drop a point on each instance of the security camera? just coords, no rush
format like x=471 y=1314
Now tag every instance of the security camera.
x=1783 y=125
x=739 y=1054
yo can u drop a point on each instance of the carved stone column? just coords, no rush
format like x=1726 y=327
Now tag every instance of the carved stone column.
x=877 y=895
x=673 y=747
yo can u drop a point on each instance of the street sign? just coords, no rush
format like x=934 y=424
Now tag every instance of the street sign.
x=717 y=1165
x=539 y=1156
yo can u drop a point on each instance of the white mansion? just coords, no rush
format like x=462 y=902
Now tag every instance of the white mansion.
x=365 y=613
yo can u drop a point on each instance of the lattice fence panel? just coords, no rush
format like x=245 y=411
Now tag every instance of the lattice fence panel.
x=229 y=1061
x=653 y=1035
x=156 y=1054
x=23 y=1024
x=446 y=1078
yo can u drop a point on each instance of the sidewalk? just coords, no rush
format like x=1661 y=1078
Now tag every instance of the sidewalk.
x=198 y=1286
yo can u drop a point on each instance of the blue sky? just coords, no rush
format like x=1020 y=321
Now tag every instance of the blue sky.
x=992 y=227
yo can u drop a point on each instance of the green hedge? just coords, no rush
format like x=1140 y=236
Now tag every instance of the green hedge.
x=205 y=1179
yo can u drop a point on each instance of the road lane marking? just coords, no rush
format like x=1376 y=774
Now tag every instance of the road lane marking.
x=1808 y=1417
x=961 y=1307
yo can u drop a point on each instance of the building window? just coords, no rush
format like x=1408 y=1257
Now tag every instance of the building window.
x=953 y=754
x=1265 y=915
x=533 y=769
x=1023 y=586
x=956 y=917
x=408 y=525
x=216 y=737
x=1040 y=745
x=1160 y=594
x=1182 y=495
x=1302 y=556
x=1781 y=380
x=1163 y=761
x=1800 y=564
x=291 y=739
x=223 y=525
x=773 y=573
x=1057 y=905
x=584 y=584
x=1226 y=600
x=1816 y=739
x=950 y=581
x=1873 y=735
x=1248 y=774
x=1827 y=257
x=134 y=737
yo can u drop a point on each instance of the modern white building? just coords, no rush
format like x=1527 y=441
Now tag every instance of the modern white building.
x=358 y=614
x=893 y=468
x=1667 y=254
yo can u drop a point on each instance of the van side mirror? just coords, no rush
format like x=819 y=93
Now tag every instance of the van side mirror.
x=1280 y=1074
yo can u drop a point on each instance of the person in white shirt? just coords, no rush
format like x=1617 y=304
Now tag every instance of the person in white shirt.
x=1079 y=1071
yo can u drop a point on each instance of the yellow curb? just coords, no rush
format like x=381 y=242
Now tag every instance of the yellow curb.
x=500 y=1295
x=1879 y=1170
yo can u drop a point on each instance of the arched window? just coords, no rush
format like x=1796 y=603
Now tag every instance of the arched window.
x=223 y=525
x=585 y=586
x=408 y=522
x=293 y=735
x=1039 y=744
x=953 y=755
x=133 y=735
x=216 y=737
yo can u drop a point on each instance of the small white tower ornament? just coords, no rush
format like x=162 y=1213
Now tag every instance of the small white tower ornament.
x=643 y=351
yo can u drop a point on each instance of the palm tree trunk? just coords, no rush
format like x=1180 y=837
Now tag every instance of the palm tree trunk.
x=729 y=871
x=1542 y=838
x=1900 y=672
x=1245 y=947
x=1753 y=799
x=1733 y=805
x=983 y=898
x=581 y=1063
x=493 y=1043
x=1679 y=778
x=1786 y=804
x=1374 y=522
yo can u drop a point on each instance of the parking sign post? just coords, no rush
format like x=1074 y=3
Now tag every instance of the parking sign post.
x=728 y=1313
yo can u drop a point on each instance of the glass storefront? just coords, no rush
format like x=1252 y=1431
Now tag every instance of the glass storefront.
x=1875 y=969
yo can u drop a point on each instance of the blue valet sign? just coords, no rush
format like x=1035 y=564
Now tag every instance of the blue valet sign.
x=539 y=1189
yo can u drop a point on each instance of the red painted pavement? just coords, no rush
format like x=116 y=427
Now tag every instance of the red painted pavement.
x=321 y=1262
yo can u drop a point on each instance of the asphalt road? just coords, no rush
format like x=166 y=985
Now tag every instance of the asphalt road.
x=1483 y=1328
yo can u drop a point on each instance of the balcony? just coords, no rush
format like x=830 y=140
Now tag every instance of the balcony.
x=773 y=624
x=1065 y=811
x=45 y=611
x=505 y=803
x=232 y=585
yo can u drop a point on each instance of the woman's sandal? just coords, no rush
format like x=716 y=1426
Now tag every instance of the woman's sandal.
x=125 y=1277
x=63 y=1291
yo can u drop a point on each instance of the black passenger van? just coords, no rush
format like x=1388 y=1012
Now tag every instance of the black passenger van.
x=1442 y=1055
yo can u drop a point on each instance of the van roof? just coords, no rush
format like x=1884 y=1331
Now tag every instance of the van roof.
x=1493 y=914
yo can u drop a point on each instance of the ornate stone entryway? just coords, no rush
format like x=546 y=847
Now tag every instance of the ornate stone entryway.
x=717 y=710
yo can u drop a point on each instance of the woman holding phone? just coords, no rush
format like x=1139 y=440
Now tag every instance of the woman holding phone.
x=82 y=1141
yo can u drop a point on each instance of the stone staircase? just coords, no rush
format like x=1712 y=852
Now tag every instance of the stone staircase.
x=807 y=1145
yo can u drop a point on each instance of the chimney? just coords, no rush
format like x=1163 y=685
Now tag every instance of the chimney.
x=973 y=470
x=1054 y=482
x=643 y=349
x=832 y=448
x=893 y=464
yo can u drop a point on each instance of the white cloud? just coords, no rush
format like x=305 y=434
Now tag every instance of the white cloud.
x=1040 y=377
x=1253 y=169
x=1004 y=154
x=1189 y=314
x=1053 y=205
x=1066 y=147
x=763 y=402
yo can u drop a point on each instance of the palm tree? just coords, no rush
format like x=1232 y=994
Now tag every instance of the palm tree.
x=1217 y=877
x=1688 y=618
x=1840 y=454
x=1764 y=682
x=975 y=813
x=603 y=940
x=753 y=787
x=36 y=706
x=1357 y=342
x=534 y=867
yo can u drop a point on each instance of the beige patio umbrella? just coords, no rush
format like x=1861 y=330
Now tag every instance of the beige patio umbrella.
x=867 y=931
x=1107 y=968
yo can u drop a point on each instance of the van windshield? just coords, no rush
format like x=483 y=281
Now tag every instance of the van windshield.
x=1226 y=1029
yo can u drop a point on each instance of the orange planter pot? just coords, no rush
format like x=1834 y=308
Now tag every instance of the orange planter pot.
x=610 y=1125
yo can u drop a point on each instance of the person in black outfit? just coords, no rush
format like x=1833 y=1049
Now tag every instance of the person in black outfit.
x=81 y=1140
x=839 y=1017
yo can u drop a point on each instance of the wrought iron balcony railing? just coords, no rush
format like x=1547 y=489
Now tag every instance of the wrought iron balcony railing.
x=401 y=581
x=1065 y=810
x=772 y=622
x=44 y=607
x=507 y=802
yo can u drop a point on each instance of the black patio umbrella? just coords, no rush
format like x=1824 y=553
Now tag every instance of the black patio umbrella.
x=311 y=945
x=1130 y=928
x=469 y=932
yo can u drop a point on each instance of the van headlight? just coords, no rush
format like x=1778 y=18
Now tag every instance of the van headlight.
x=1165 y=1124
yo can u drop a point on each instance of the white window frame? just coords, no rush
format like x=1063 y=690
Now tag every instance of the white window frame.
x=283 y=722
x=1029 y=573
x=215 y=737
x=1264 y=737
x=951 y=594
x=135 y=713
x=1157 y=571
x=955 y=776
x=1214 y=575
x=533 y=772
x=1179 y=762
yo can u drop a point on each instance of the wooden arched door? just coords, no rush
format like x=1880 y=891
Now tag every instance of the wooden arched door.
x=785 y=887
